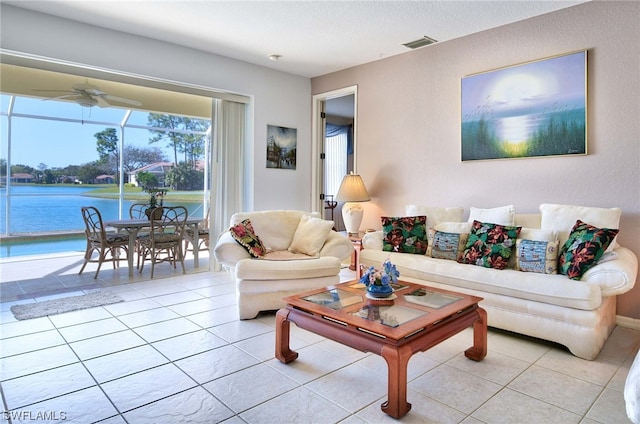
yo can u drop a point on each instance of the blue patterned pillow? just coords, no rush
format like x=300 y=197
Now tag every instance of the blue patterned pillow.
x=537 y=256
x=443 y=245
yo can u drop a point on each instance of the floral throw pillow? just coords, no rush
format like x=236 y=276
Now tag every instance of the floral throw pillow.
x=243 y=233
x=490 y=245
x=584 y=247
x=406 y=234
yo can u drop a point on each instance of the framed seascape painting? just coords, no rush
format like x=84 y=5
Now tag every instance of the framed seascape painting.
x=530 y=110
x=281 y=147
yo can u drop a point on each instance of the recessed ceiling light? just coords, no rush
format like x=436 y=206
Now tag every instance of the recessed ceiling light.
x=274 y=57
x=421 y=42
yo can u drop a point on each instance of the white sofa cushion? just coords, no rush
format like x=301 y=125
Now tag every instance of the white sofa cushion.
x=537 y=234
x=545 y=288
x=275 y=228
x=310 y=235
x=435 y=215
x=503 y=215
x=562 y=218
x=454 y=227
x=251 y=269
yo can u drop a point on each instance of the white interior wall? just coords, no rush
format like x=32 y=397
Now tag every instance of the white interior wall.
x=408 y=123
x=278 y=98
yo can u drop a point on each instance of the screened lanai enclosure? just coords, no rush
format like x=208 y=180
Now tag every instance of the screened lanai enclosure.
x=69 y=141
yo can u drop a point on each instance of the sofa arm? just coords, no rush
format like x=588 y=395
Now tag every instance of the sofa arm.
x=616 y=276
x=373 y=240
x=337 y=245
x=228 y=251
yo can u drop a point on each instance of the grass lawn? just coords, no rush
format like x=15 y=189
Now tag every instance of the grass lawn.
x=136 y=193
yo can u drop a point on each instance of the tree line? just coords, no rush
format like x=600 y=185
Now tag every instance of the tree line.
x=186 y=147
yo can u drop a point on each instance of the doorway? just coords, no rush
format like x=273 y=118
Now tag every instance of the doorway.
x=335 y=110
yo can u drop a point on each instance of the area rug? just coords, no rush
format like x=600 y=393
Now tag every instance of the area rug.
x=65 y=304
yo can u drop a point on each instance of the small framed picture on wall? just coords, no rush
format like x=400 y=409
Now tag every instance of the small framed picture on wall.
x=281 y=147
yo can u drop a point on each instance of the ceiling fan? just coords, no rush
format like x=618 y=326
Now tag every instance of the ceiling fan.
x=88 y=95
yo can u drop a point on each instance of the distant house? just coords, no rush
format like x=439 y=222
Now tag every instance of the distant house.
x=199 y=165
x=159 y=169
x=105 y=179
x=18 y=177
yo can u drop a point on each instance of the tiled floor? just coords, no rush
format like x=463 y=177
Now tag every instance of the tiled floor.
x=175 y=352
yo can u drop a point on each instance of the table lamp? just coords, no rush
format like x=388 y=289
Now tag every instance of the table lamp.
x=352 y=191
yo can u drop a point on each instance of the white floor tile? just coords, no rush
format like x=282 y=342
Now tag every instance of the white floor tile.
x=125 y=362
x=509 y=406
x=216 y=363
x=36 y=361
x=189 y=344
x=104 y=345
x=81 y=407
x=192 y=406
x=300 y=405
x=566 y=392
x=249 y=387
x=166 y=329
x=147 y=386
x=30 y=342
x=458 y=389
x=41 y=386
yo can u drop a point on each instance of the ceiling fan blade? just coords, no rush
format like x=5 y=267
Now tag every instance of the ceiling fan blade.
x=65 y=97
x=122 y=100
x=53 y=91
x=101 y=101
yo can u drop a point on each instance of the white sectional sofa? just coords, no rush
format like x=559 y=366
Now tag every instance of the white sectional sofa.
x=579 y=314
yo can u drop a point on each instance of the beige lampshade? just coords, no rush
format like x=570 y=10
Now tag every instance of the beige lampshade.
x=352 y=189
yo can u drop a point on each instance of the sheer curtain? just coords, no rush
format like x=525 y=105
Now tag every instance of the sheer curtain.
x=337 y=146
x=227 y=167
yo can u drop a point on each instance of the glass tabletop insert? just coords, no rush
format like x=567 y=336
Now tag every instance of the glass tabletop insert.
x=334 y=298
x=430 y=299
x=389 y=315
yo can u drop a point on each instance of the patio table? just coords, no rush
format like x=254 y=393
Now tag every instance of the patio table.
x=133 y=227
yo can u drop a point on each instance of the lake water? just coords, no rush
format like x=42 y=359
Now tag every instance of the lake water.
x=40 y=209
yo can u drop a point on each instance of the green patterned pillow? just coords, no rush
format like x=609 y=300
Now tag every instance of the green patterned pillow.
x=243 y=233
x=584 y=247
x=406 y=234
x=444 y=245
x=537 y=256
x=490 y=245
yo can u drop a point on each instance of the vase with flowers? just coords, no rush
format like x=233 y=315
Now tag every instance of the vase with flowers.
x=379 y=282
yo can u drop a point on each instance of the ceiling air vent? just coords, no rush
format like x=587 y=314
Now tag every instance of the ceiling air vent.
x=421 y=42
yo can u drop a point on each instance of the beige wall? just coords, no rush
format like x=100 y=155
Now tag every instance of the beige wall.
x=408 y=123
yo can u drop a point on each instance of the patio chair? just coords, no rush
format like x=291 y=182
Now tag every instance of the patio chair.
x=202 y=238
x=164 y=241
x=107 y=245
x=137 y=210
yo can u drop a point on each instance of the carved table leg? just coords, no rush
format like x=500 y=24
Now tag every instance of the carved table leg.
x=397 y=361
x=479 y=349
x=283 y=352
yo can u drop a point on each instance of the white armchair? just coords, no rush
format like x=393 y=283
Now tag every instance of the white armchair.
x=301 y=253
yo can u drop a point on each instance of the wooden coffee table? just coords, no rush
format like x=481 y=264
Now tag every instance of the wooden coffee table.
x=415 y=319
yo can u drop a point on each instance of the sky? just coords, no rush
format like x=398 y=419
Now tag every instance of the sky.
x=59 y=144
x=526 y=88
